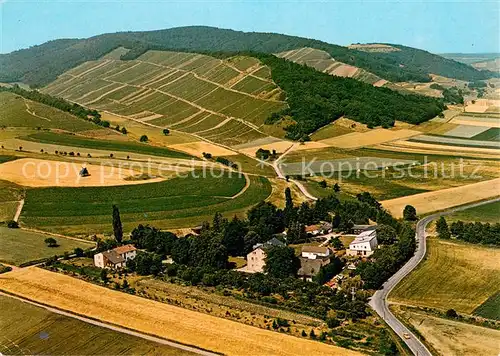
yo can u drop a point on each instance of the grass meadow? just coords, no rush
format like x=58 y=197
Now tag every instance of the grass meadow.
x=21 y=246
x=488 y=213
x=179 y=202
x=20 y=112
x=30 y=330
x=453 y=275
x=78 y=141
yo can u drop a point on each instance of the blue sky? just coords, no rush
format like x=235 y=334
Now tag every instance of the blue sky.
x=437 y=26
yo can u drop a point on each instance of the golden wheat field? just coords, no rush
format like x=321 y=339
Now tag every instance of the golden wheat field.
x=147 y=316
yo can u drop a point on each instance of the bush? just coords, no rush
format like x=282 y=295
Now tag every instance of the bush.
x=451 y=313
x=13 y=224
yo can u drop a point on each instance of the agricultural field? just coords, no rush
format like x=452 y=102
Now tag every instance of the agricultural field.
x=174 y=323
x=84 y=142
x=487 y=213
x=442 y=199
x=21 y=246
x=175 y=203
x=454 y=275
x=449 y=337
x=490 y=309
x=452 y=141
x=225 y=101
x=20 y=112
x=28 y=329
x=323 y=62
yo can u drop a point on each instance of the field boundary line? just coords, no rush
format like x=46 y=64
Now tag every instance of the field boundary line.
x=56 y=235
x=110 y=326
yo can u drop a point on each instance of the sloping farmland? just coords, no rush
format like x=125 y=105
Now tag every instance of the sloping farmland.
x=323 y=62
x=225 y=101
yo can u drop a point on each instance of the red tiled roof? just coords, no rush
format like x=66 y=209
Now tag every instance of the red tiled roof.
x=124 y=249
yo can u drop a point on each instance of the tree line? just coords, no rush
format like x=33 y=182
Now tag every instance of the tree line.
x=473 y=232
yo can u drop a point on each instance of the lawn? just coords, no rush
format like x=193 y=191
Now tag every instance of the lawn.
x=453 y=275
x=78 y=141
x=190 y=199
x=20 y=246
x=488 y=213
x=28 y=329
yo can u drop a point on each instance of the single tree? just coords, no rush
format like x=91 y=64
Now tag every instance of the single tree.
x=117 y=224
x=79 y=252
x=144 y=138
x=50 y=242
x=166 y=132
x=451 y=313
x=124 y=130
x=410 y=213
x=323 y=184
x=104 y=276
x=336 y=188
x=12 y=224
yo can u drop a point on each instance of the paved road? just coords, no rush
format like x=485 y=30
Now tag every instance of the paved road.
x=116 y=328
x=379 y=300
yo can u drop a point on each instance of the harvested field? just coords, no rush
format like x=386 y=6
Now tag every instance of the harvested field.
x=454 y=275
x=466 y=131
x=450 y=337
x=446 y=198
x=21 y=246
x=171 y=322
x=197 y=148
x=452 y=141
x=373 y=137
x=23 y=326
x=436 y=149
x=31 y=172
x=476 y=121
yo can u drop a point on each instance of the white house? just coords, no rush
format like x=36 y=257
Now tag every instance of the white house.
x=364 y=244
x=115 y=258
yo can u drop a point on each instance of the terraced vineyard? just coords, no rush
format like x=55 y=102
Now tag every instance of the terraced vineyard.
x=225 y=101
x=179 y=202
x=323 y=62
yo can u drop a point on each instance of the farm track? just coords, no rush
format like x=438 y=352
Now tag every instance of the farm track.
x=19 y=210
x=113 y=327
x=379 y=300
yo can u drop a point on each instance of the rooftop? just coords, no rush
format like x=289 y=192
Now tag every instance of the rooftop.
x=124 y=249
x=365 y=236
x=315 y=249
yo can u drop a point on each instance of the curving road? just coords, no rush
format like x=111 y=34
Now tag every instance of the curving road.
x=379 y=300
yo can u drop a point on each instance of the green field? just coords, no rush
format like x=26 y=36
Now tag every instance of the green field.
x=179 y=202
x=490 y=309
x=488 y=213
x=180 y=87
x=78 y=141
x=454 y=275
x=20 y=246
x=30 y=330
x=15 y=114
x=492 y=134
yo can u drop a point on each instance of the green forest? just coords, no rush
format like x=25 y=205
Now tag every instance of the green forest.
x=39 y=65
x=316 y=99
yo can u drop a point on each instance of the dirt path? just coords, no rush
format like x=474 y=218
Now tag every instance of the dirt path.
x=33 y=113
x=114 y=327
x=19 y=210
x=247 y=184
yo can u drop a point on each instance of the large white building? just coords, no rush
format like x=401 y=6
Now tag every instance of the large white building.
x=115 y=258
x=364 y=244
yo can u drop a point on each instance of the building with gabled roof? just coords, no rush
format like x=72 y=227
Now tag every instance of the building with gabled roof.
x=115 y=258
x=256 y=259
x=364 y=244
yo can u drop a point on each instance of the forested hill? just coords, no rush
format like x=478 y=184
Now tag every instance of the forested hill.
x=41 y=64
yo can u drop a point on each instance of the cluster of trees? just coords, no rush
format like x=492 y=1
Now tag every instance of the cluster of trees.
x=288 y=292
x=387 y=260
x=264 y=154
x=316 y=99
x=453 y=95
x=473 y=232
x=226 y=162
x=58 y=103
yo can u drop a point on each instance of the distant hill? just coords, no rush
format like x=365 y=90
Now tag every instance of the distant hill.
x=470 y=58
x=39 y=65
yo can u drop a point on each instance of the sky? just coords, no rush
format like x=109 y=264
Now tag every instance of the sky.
x=437 y=26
